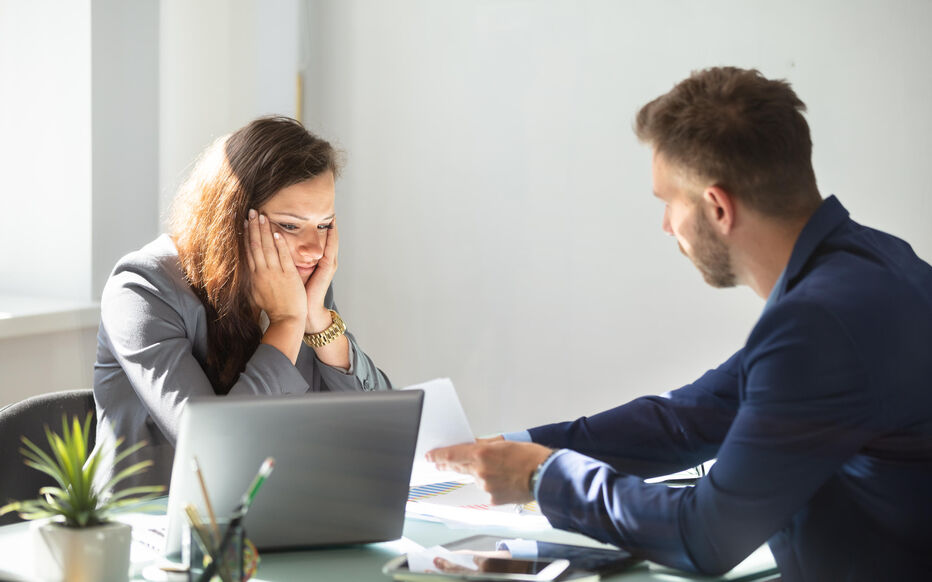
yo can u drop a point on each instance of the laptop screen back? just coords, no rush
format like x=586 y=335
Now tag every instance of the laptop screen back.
x=342 y=465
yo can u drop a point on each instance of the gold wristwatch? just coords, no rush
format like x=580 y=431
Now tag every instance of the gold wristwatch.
x=336 y=329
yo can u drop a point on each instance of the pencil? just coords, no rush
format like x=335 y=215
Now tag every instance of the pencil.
x=210 y=508
x=203 y=539
x=201 y=534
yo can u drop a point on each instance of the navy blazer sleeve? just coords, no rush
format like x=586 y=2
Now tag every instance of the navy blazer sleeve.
x=656 y=435
x=803 y=414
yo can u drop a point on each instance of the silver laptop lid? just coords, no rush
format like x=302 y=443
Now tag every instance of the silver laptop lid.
x=342 y=465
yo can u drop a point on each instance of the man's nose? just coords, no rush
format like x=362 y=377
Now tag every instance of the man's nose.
x=666 y=222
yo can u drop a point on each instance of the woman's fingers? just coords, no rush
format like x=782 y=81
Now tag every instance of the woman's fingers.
x=284 y=254
x=255 y=241
x=327 y=264
x=333 y=244
x=249 y=259
x=320 y=280
x=269 y=249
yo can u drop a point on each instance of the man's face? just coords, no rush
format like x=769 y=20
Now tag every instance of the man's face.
x=683 y=218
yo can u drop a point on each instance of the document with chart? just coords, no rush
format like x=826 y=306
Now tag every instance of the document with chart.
x=448 y=496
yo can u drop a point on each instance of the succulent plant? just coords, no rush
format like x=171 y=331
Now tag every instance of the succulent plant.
x=76 y=498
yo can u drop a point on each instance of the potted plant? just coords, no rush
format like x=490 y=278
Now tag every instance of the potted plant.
x=76 y=539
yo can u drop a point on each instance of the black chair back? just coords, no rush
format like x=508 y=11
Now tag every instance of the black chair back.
x=29 y=418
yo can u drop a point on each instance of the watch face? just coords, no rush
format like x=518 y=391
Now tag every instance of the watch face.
x=535 y=477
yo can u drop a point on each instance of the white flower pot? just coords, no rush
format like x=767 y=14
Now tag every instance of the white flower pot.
x=90 y=554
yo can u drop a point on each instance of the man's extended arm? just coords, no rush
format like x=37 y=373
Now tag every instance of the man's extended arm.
x=656 y=435
x=804 y=415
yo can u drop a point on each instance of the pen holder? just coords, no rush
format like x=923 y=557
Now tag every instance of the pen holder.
x=199 y=549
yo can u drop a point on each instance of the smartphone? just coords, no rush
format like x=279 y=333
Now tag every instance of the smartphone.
x=488 y=568
x=603 y=561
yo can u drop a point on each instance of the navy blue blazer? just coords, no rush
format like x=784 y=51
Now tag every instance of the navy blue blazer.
x=821 y=425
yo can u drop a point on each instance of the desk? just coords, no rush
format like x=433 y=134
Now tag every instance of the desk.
x=364 y=563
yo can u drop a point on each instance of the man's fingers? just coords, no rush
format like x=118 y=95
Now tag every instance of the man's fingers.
x=452 y=453
x=445 y=565
x=459 y=458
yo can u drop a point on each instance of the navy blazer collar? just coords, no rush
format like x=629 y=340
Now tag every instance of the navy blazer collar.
x=824 y=220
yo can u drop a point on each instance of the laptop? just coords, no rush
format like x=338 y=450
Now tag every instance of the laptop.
x=342 y=465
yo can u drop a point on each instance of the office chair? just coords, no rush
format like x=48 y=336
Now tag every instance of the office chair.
x=28 y=418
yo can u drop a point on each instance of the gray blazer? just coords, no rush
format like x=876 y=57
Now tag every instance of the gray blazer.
x=152 y=338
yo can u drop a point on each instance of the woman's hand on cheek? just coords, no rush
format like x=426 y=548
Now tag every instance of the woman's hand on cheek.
x=318 y=316
x=276 y=284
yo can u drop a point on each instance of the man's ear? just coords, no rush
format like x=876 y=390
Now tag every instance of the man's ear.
x=719 y=206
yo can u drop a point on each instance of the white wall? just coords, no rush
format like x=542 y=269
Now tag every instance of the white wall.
x=222 y=63
x=46 y=362
x=78 y=140
x=497 y=224
x=496 y=218
x=91 y=93
x=45 y=154
x=125 y=130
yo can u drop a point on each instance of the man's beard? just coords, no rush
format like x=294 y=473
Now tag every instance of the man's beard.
x=710 y=255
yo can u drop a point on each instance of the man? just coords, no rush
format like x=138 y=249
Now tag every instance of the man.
x=821 y=424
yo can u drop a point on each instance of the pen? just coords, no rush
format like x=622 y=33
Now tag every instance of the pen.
x=257 y=482
x=240 y=512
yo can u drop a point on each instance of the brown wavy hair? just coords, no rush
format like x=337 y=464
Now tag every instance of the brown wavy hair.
x=740 y=130
x=237 y=172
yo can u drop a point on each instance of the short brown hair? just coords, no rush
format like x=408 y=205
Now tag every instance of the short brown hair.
x=740 y=130
x=237 y=172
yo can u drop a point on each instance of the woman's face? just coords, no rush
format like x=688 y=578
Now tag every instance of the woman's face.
x=303 y=214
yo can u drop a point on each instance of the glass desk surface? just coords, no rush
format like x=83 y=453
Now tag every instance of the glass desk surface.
x=363 y=563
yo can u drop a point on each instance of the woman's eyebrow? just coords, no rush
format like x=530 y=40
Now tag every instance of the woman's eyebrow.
x=303 y=218
x=291 y=215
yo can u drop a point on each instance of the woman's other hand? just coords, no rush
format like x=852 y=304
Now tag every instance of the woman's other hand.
x=336 y=353
x=318 y=316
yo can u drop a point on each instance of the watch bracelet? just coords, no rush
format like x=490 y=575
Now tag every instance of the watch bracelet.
x=333 y=331
x=535 y=475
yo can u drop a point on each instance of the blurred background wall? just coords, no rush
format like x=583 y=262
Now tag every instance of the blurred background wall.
x=497 y=224
x=496 y=218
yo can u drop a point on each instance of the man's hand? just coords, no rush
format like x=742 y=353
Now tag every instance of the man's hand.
x=503 y=468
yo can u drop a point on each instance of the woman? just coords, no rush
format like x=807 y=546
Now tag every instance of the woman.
x=237 y=300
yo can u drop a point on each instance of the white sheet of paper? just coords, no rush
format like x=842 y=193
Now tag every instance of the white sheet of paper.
x=443 y=422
